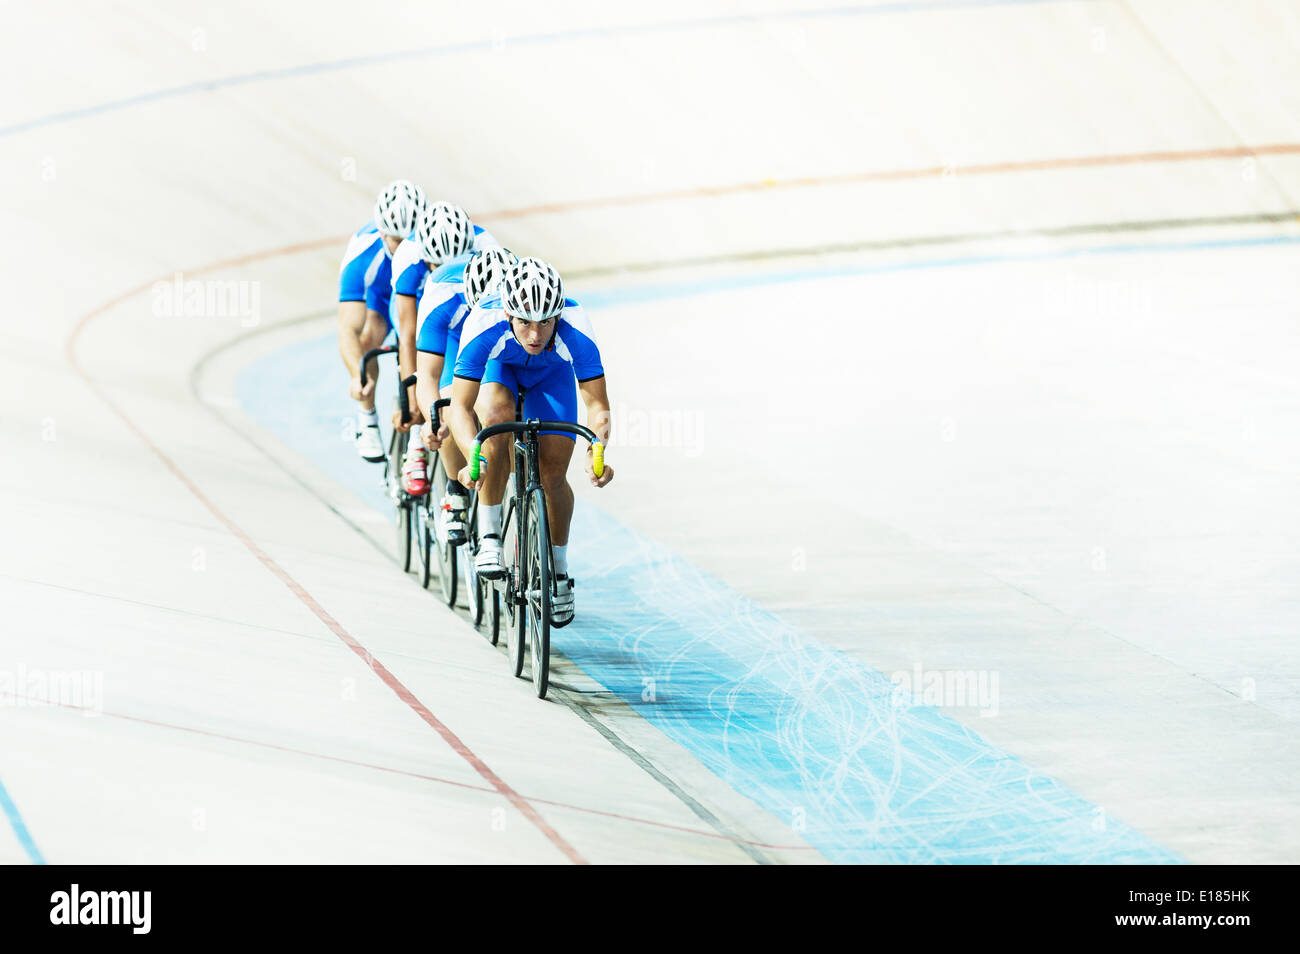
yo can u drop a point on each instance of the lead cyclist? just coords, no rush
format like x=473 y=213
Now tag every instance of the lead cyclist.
x=529 y=336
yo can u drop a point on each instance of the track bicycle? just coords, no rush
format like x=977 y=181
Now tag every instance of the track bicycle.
x=528 y=587
x=430 y=531
x=403 y=503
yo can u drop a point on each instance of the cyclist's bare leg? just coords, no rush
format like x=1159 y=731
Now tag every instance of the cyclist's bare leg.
x=495 y=405
x=556 y=451
x=452 y=457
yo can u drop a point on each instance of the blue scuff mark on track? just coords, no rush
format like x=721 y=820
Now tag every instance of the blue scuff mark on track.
x=20 y=828
x=829 y=746
x=426 y=52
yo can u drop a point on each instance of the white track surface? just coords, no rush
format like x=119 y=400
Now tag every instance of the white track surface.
x=1077 y=472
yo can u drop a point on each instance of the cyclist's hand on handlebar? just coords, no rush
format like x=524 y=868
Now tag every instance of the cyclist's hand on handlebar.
x=416 y=418
x=463 y=477
x=606 y=475
x=357 y=392
x=434 y=441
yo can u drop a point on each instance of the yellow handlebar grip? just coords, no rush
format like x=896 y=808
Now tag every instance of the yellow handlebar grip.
x=597 y=458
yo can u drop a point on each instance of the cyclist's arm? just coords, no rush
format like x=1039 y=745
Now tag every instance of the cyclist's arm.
x=596 y=397
x=352 y=319
x=406 y=307
x=464 y=425
x=428 y=367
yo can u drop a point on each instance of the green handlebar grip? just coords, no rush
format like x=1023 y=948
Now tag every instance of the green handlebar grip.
x=474 y=461
x=597 y=458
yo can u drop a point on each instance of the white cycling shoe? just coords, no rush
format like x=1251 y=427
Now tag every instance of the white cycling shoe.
x=369 y=446
x=487 y=562
x=453 y=518
x=562 y=602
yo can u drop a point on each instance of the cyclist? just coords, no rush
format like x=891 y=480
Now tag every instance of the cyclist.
x=529 y=336
x=447 y=297
x=365 y=285
x=443 y=232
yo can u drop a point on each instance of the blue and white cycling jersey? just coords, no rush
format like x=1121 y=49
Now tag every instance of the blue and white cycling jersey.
x=440 y=314
x=366 y=272
x=487 y=339
x=490 y=354
x=409 y=269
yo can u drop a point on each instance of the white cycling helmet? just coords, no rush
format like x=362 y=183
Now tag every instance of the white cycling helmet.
x=532 y=289
x=484 y=272
x=443 y=231
x=398 y=208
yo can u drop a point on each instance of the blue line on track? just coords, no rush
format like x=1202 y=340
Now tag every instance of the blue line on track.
x=425 y=52
x=20 y=828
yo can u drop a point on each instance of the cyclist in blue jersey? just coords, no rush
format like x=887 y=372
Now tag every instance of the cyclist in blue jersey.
x=448 y=295
x=442 y=233
x=534 y=338
x=365 y=284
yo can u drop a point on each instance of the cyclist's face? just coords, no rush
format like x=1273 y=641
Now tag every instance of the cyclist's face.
x=533 y=335
x=391 y=242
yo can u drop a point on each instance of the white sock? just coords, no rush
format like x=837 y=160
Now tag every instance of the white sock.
x=560 y=557
x=417 y=442
x=367 y=418
x=489 y=519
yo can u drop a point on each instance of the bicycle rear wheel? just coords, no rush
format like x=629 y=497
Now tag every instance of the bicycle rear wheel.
x=540 y=587
x=516 y=626
x=474 y=584
x=424 y=541
x=494 y=613
x=401 y=503
x=445 y=552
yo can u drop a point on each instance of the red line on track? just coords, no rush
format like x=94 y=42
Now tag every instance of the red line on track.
x=896 y=175
x=375 y=666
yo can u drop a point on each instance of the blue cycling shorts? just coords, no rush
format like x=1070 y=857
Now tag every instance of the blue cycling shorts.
x=551 y=391
x=449 y=359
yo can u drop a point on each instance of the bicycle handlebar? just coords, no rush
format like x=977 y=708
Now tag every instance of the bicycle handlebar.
x=370 y=354
x=433 y=411
x=597 y=446
x=404 y=398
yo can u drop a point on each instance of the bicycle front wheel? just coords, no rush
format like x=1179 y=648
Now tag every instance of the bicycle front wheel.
x=538 y=592
x=446 y=553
